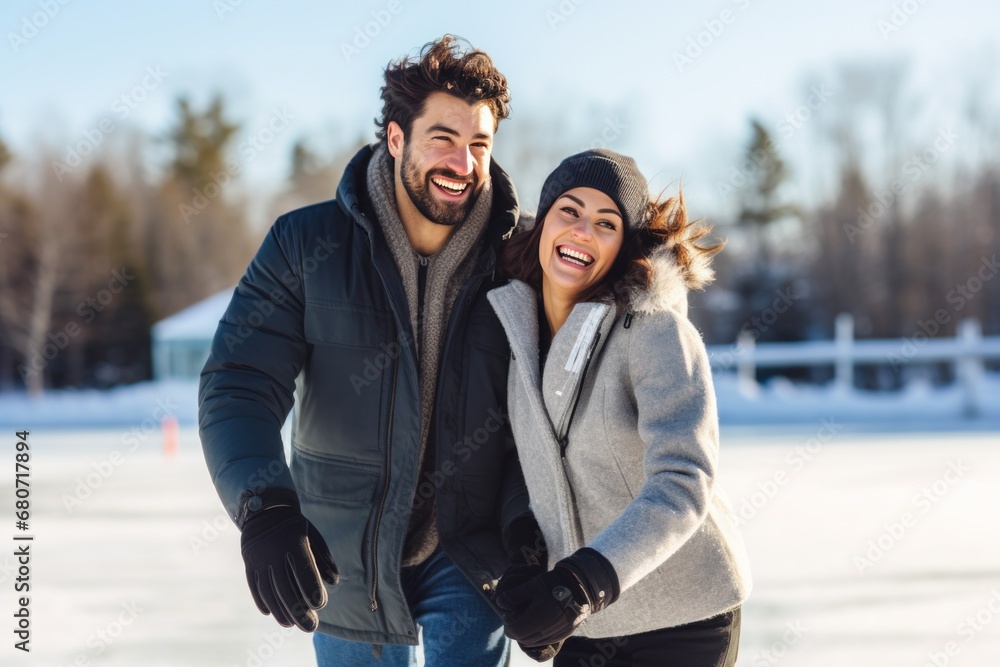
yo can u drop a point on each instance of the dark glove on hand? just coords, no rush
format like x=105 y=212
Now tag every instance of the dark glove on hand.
x=524 y=542
x=285 y=558
x=547 y=608
x=528 y=556
x=515 y=576
x=542 y=653
x=526 y=552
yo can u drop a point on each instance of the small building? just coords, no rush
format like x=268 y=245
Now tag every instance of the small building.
x=181 y=344
x=182 y=341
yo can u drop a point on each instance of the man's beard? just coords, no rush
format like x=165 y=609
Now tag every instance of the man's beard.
x=431 y=207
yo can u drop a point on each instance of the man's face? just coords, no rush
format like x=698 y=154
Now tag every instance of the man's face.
x=445 y=161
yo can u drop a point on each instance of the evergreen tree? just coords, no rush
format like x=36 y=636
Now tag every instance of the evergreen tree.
x=760 y=197
x=199 y=142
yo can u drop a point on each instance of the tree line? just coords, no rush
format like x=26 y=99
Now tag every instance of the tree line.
x=899 y=226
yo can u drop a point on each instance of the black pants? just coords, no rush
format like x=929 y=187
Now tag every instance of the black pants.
x=710 y=643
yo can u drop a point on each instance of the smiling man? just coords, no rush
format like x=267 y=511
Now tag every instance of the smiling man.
x=403 y=499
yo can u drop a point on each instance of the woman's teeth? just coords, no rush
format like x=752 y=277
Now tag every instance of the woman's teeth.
x=576 y=257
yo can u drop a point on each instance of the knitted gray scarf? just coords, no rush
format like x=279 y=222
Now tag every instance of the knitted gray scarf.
x=447 y=271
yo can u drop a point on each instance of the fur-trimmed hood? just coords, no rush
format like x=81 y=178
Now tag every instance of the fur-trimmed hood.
x=670 y=282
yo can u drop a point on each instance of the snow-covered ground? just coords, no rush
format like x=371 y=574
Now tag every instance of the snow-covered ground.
x=867 y=548
x=919 y=406
x=870 y=519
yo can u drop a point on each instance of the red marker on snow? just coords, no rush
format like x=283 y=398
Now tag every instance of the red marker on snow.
x=170 y=435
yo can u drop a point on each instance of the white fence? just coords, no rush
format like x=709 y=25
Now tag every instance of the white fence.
x=967 y=352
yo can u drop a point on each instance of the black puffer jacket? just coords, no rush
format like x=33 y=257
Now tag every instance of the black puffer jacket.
x=322 y=310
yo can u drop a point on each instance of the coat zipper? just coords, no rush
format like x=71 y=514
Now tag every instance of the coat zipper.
x=564 y=440
x=388 y=444
x=385 y=492
x=388 y=473
x=388 y=454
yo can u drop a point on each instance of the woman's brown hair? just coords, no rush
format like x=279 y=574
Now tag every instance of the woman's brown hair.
x=632 y=271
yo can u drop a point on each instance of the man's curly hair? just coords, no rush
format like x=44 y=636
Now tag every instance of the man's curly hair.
x=444 y=66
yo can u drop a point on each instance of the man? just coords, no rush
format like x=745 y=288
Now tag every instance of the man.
x=403 y=492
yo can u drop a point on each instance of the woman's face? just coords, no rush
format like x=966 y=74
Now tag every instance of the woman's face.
x=581 y=236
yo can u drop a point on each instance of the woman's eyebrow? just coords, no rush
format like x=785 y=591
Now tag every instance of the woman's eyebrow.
x=603 y=210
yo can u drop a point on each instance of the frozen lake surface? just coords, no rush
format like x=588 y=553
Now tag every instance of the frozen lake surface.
x=867 y=549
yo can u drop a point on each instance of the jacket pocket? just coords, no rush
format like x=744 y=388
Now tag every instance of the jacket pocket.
x=340 y=395
x=345 y=324
x=337 y=496
x=615 y=451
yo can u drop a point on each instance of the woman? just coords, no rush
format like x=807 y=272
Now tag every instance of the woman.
x=613 y=413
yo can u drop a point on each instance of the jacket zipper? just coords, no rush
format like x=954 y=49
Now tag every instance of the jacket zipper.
x=388 y=477
x=385 y=492
x=388 y=447
x=564 y=440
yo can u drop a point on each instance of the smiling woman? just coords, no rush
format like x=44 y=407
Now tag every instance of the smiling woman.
x=613 y=413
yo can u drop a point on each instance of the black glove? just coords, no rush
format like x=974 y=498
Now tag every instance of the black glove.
x=524 y=542
x=285 y=558
x=514 y=577
x=528 y=557
x=547 y=608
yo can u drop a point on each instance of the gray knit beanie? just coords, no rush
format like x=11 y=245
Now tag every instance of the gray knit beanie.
x=612 y=173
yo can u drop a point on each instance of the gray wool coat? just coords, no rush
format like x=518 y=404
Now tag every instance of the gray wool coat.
x=637 y=481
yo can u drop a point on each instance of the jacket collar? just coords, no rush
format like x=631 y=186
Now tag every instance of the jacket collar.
x=578 y=341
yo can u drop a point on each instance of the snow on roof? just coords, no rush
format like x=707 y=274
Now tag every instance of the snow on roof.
x=196 y=322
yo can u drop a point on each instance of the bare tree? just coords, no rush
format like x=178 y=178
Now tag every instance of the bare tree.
x=31 y=261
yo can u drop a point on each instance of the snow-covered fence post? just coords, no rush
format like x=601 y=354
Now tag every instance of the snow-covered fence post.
x=844 y=351
x=746 y=369
x=969 y=366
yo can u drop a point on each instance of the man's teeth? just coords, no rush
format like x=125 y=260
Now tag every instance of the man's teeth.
x=454 y=187
x=575 y=256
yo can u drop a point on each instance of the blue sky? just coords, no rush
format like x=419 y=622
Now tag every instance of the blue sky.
x=64 y=67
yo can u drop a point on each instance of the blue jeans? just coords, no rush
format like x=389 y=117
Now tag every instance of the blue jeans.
x=459 y=627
